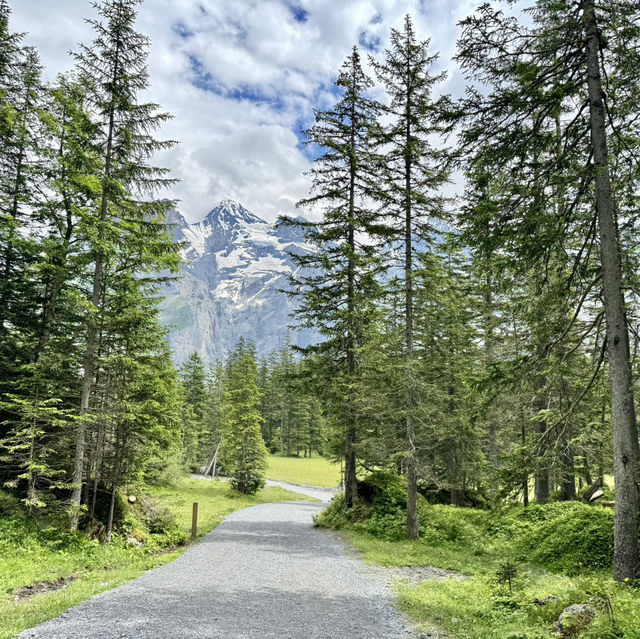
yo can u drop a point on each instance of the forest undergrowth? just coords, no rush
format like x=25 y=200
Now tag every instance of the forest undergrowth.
x=524 y=565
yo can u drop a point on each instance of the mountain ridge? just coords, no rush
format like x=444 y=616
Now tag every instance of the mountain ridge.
x=236 y=265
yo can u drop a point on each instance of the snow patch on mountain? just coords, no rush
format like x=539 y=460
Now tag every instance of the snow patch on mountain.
x=236 y=267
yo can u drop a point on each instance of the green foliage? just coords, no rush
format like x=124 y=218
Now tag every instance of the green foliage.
x=195 y=434
x=568 y=538
x=521 y=569
x=243 y=451
x=39 y=547
x=571 y=538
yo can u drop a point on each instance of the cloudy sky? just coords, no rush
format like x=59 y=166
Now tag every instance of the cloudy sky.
x=242 y=78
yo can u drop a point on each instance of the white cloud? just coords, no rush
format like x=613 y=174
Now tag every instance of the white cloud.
x=259 y=74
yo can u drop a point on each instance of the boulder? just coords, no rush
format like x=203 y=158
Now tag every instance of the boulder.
x=574 y=620
x=551 y=599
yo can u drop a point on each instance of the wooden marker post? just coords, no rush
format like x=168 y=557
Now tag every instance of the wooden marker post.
x=194 y=520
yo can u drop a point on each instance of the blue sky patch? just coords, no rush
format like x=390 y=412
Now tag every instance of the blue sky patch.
x=182 y=30
x=299 y=14
x=369 y=42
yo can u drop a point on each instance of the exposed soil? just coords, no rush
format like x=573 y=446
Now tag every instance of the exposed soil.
x=39 y=587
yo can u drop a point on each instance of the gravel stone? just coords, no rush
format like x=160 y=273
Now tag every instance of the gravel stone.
x=264 y=573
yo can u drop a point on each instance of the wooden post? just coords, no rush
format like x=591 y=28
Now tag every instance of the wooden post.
x=194 y=520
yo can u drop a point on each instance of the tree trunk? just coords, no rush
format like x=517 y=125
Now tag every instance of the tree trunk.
x=350 y=479
x=111 y=509
x=215 y=460
x=89 y=363
x=413 y=524
x=525 y=478
x=542 y=476
x=626 y=452
x=492 y=427
x=568 y=480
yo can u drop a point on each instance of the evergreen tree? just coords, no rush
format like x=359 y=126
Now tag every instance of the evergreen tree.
x=21 y=176
x=114 y=69
x=558 y=70
x=194 y=430
x=413 y=172
x=243 y=450
x=336 y=281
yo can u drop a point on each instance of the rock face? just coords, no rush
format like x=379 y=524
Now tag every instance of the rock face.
x=230 y=287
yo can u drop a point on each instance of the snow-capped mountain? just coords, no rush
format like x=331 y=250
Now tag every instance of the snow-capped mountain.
x=236 y=266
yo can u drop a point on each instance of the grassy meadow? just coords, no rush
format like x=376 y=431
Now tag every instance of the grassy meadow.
x=312 y=471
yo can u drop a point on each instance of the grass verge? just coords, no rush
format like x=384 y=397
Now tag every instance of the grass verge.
x=312 y=471
x=524 y=566
x=36 y=550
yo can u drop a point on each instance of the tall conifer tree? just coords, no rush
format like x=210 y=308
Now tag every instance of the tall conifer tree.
x=336 y=282
x=411 y=178
x=545 y=120
x=114 y=68
x=243 y=451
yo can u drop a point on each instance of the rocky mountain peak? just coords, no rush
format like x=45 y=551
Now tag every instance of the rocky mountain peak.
x=236 y=266
x=229 y=213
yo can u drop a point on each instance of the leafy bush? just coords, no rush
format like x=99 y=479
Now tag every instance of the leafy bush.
x=157 y=518
x=247 y=483
x=561 y=537
x=334 y=515
x=380 y=509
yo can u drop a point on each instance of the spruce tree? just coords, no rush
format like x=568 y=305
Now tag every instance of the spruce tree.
x=21 y=179
x=243 y=451
x=413 y=172
x=114 y=69
x=193 y=379
x=336 y=282
x=542 y=117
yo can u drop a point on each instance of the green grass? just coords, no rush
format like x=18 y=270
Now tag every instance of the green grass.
x=482 y=607
x=32 y=551
x=313 y=471
x=562 y=550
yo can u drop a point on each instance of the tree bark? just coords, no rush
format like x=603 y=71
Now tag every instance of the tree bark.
x=568 y=480
x=351 y=483
x=413 y=524
x=89 y=360
x=626 y=452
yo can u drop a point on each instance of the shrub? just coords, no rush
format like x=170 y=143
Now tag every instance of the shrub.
x=568 y=537
x=440 y=524
x=334 y=515
x=157 y=518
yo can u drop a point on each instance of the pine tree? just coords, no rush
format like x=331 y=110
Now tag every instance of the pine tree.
x=21 y=176
x=243 y=450
x=413 y=172
x=336 y=281
x=193 y=379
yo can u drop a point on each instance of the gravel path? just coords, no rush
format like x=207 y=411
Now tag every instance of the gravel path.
x=325 y=495
x=264 y=573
